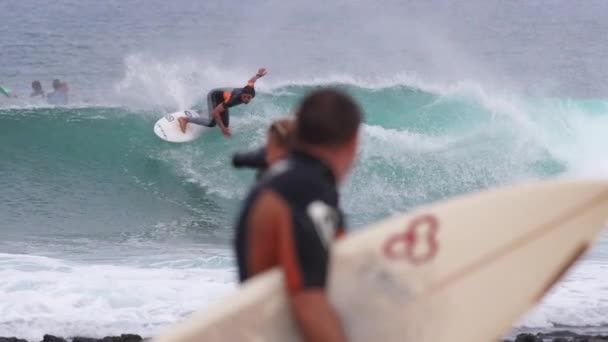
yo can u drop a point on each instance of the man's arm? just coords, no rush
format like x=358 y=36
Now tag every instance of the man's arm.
x=218 y=119
x=261 y=73
x=271 y=236
x=315 y=316
x=312 y=311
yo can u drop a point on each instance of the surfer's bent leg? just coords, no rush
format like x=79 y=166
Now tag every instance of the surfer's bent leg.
x=204 y=119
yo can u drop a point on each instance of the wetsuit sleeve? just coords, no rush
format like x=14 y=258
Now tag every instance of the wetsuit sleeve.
x=302 y=254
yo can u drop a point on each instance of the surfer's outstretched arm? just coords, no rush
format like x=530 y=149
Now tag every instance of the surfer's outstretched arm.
x=261 y=73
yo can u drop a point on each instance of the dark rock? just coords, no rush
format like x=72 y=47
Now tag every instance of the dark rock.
x=130 y=338
x=84 y=339
x=121 y=338
x=559 y=336
x=51 y=338
x=11 y=339
x=110 y=339
x=527 y=338
x=564 y=333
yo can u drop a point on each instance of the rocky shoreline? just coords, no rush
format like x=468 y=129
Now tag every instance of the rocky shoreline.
x=51 y=338
x=556 y=336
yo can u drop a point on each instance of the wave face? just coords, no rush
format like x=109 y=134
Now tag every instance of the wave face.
x=89 y=190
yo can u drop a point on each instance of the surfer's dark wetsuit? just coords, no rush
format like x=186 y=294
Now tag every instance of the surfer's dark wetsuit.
x=289 y=219
x=214 y=98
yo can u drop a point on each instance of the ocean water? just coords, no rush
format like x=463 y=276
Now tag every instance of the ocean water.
x=106 y=229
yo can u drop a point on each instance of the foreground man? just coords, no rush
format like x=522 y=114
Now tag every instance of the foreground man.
x=292 y=215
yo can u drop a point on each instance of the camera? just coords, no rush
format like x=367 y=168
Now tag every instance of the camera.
x=255 y=159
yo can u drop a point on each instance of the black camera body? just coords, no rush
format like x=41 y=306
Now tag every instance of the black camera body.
x=255 y=159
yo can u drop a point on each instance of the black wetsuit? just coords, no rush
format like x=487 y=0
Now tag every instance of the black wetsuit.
x=214 y=98
x=306 y=189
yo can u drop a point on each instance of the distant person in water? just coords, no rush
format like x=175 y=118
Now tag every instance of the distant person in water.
x=37 y=90
x=218 y=102
x=59 y=96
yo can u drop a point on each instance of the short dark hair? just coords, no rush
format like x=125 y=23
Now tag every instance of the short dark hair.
x=249 y=90
x=327 y=117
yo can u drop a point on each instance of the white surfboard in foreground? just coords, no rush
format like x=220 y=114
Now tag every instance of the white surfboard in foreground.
x=464 y=269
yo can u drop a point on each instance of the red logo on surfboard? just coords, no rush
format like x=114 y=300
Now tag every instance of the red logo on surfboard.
x=418 y=244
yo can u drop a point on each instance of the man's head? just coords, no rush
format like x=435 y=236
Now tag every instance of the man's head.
x=247 y=94
x=56 y=84
x=327 y=122
x=36 y=86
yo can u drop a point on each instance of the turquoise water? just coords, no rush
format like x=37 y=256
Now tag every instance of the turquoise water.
x=418 y=147
x=91 y=186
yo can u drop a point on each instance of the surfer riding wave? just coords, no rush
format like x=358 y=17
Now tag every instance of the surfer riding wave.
x=218 y=102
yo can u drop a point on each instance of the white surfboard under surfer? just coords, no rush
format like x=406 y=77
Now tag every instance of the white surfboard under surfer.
x=218 y=102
